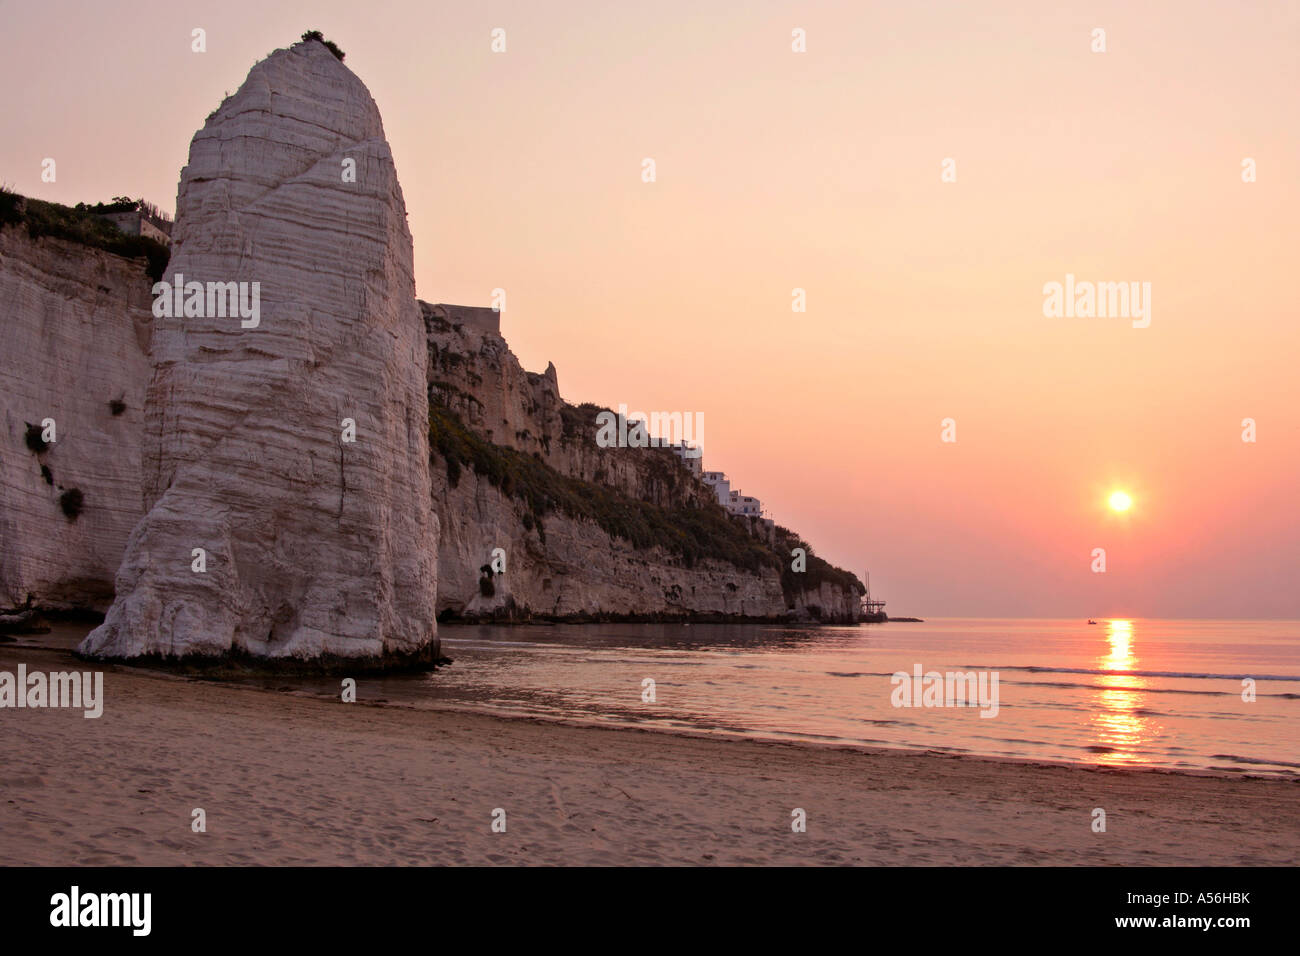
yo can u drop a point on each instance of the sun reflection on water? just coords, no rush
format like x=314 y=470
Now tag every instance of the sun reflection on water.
x=1118 y=728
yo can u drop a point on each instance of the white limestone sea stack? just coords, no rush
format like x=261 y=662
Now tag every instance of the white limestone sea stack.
x=266 y=532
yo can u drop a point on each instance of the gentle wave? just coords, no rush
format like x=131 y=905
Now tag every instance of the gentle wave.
x=1085 y=686
x=1254 y=761
x=1102 y=672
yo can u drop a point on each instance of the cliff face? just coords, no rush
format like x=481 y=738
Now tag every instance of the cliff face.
x=474 y=373
x=562 y=564
x=578 y=570
x=74 y=347
x=312 y=544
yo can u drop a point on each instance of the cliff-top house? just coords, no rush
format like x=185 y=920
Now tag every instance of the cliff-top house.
x=135 y=217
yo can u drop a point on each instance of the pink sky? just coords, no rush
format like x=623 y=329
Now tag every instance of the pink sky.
x=821 y=171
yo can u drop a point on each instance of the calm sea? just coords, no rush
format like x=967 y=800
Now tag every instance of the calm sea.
x=1133 y=692
x=1120 y=692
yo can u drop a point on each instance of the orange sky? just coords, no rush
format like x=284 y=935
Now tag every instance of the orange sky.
x=822 y=171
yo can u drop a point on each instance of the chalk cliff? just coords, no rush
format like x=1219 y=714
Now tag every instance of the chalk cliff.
x=586 y=532
x=312 y=545
x=74 y=348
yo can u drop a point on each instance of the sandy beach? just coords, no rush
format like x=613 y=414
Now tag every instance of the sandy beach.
x=290 y=779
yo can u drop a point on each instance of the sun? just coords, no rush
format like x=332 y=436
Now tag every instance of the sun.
x=1120 y=501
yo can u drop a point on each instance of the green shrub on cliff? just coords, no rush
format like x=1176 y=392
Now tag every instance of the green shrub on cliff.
x=35 y=439
x=80 y=226
x=817 y=572
x=72 y=502
x=692 y=533
x=329 y=44
x=577 y=420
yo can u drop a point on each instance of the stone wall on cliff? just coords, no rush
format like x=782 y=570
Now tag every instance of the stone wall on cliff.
x=314 y=546
x=74 y=348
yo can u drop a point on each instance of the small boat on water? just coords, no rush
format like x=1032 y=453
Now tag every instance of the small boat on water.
x=1091 y=621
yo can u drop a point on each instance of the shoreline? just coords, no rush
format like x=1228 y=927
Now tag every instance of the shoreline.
x=38 y=620
x=293 y=777
x=528 y=618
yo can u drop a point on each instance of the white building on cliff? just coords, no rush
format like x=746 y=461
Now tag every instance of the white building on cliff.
x=730 y=498
x=747 y=505
x=691 y=456
x=721 y=486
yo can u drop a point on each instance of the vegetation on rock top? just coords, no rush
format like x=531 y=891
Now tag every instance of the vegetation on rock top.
x=329 y=44
x=81 y=225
